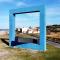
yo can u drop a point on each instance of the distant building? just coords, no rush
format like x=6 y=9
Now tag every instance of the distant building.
x=18 y=30
x=36 y=30
x=24 y=30
x=28 y=30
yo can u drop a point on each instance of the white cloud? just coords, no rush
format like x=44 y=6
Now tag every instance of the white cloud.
x=6 y=1
x=18 y=4
x=36 y=14
x=53 y=11
x=4 y=21
x=52 y=15
x=4 y=16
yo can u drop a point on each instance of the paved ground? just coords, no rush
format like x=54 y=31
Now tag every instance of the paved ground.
x=53 y=44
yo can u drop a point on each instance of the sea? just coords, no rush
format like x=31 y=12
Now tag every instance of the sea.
x=4 y=30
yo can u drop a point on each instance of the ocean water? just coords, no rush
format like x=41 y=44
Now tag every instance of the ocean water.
x=4 y=29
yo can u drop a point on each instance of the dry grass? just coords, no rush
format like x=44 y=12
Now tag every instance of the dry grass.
x=52 y=53
x=7 y=53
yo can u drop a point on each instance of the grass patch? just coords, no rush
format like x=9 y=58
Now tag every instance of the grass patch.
x=52 y=53
x=24 y=35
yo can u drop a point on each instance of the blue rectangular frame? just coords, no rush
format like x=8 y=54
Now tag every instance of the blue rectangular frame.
x=42 y=41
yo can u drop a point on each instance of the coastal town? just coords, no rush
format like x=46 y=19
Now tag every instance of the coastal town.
x=52 y=32
x=29 y=30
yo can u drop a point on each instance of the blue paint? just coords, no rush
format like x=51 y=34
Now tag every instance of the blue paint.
x=42 y=46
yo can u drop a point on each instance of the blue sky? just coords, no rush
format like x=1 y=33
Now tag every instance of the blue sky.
x=52 y=8
x=27 y=20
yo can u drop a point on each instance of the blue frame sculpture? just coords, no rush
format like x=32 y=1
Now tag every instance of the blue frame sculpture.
x=42 y=41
